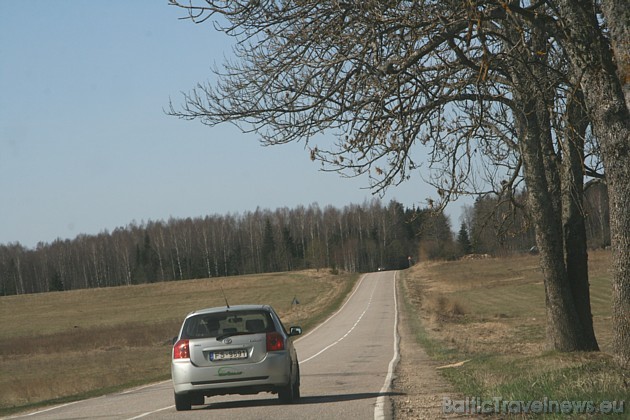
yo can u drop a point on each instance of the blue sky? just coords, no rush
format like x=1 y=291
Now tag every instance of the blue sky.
x=86 y=146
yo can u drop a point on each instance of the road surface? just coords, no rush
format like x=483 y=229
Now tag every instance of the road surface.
x=346 y=366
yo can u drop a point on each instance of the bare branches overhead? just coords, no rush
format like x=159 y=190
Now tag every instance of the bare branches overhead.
x=379 y=76
x=482 y=92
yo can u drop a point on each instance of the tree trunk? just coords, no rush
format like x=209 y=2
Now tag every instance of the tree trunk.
x=611 y=122
x=591 y=53
x=565 y=331
x=573 y=215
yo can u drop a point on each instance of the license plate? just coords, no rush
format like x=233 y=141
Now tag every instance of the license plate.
x=228 y=355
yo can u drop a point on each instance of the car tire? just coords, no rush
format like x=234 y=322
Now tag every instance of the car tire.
x=285 y=394
x=296 y=386
x=291 y=392
x=182 y=402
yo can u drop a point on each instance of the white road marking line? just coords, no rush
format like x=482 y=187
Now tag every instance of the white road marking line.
x=148 y=413
x=379 y=409
x=348 y=332
x=333 y=315
x=129 y=391
x=42 y=411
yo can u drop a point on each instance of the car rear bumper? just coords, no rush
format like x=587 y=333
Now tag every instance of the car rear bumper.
x=225 y=378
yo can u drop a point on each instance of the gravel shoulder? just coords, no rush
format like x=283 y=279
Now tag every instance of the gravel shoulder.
x=417 y=380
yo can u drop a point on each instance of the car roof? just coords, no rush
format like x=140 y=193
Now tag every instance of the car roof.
x=232 y=308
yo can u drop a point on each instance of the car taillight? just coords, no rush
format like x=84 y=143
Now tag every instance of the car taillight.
x=275 y=341
x=181 y=350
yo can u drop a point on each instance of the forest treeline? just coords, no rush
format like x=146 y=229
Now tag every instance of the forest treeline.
x=357 y=238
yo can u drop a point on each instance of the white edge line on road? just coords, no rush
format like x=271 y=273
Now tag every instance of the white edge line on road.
x=379 y=409
x=56 y=407
x=129 y=391
x=148 y=413
x=19 y=416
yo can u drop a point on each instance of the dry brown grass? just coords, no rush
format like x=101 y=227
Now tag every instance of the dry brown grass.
x=492 y=311
x=69 y=344
x=442 y=308
x=482 y=304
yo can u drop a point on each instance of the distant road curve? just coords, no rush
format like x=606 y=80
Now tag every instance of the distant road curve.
x=346 y=366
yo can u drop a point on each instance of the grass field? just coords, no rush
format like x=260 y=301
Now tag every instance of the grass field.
x=490 y=314
x=62 y=346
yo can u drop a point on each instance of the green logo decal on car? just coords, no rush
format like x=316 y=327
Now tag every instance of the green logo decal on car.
x=229 y=371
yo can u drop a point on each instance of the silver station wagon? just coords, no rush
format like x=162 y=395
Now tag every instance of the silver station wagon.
x=241 y=349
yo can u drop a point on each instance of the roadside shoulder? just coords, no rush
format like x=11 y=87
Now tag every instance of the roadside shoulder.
x=420 y=386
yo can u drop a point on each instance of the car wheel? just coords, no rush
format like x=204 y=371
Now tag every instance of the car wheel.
x=291 y=392
x=296 y=386
x=182 y=402
x=285 y=394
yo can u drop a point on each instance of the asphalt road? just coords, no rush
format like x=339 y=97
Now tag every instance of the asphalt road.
x=346 y=366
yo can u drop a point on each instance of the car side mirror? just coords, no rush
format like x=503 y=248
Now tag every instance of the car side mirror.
x=295 y=331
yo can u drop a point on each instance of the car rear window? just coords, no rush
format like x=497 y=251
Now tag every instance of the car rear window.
x=216 y=324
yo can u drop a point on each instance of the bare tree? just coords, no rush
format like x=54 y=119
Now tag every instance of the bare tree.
x=385 y=76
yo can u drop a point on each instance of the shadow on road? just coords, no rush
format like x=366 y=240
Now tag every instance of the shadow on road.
x=345 y=397
x=310 y=399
